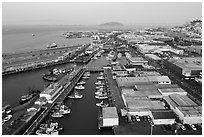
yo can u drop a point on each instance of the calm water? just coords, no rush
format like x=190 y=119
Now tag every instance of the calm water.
x=15 y=39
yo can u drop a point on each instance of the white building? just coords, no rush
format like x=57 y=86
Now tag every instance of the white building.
x=109 y=117
x=187 y=111
x=51 y=91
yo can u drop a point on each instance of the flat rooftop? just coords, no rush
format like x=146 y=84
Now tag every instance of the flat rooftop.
x=180 y=101
x=190 y=63
x=167 y=114
x=109 y=112
x=172 y=90
x=143 y=103
x=141 y=93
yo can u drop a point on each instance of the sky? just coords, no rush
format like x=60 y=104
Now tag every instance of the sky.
x=87 y=13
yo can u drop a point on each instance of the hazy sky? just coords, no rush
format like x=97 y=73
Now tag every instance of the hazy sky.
x=62 y=13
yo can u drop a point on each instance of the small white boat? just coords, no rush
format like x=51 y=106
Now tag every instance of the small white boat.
x=81 y=83
x=100 y=78
x=76 y=95
x=79 y=87
x=85 y=77
x=101 y=104
x=101 y=74
x=7 y=118
x=101 y=97
x=64 y=110
x=99 y=87
x=100 y=93
x=57 y=115
x=98 y=83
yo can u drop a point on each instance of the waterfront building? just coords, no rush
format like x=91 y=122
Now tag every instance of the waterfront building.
x=170 y=91
x=186 y=110
x=164 y=117
x=137 y=61
x=109 y=117
x=51 y=91
x=149 y=80
x=187 y=67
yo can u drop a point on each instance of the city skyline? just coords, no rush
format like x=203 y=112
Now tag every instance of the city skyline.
x=90 y=13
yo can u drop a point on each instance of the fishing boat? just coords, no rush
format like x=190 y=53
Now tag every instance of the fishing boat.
x=101 y=73
x=100 y=93
x=100 y=78
x=76 y=95
x=101 y=96
x=99 y=87
x=102 y=104
x=85 y=77
x=64 y=110
x=79 y=87
x=98 y=83
x=81 y=83
x=7 y=118
x=57 y=115
x=26 y=98
x=53 y=45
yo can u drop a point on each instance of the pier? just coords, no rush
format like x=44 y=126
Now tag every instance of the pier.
x=28 y=127
x=68 y=86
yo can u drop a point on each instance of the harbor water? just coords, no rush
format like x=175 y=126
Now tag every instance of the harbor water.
x=17 y=39
x=83 y=119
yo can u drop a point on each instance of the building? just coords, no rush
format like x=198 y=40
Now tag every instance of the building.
x=144 y=93
x=164 y=117
x=109 y=117
x=51 y=92
x=132 y=81
x=187 y=67
x=141 y=107
x=159 y=79
x=186 y=110
x=170 y=91
x=137 y=61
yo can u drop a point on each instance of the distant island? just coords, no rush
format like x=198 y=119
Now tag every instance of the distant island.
x=112 y=24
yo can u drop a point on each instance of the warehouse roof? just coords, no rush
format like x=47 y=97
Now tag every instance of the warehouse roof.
x=141 y=93
x=190 y=63
x=163 y=86
x=173 y=90
x=167 y=114
x=109 y=112
x=191 y=111
x=143 y=103
x=180 y=101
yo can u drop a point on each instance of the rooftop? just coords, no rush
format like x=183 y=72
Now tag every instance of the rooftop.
x=109 y=112
x=190 y=63
x=176 y=90
x=180 y=101
x=167 y=114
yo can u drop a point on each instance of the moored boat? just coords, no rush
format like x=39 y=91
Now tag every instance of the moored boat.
x=26 y=98
x=57 y=115
x=81 y=83
x=79 y=87
x=76 y=95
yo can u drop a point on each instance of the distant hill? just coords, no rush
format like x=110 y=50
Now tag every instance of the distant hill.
x=112 y=24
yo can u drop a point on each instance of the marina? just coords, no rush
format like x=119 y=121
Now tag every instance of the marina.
x=105 y=79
